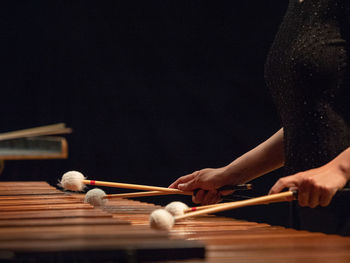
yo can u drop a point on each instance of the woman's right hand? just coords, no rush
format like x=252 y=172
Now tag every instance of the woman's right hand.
x=207 y=180
x=261 y=160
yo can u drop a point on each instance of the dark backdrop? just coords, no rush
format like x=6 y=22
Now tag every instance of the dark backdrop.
x=152 y=89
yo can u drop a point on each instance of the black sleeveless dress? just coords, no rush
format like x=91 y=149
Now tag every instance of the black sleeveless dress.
x=308 y=73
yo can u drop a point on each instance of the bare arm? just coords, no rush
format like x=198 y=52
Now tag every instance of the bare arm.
x=264 y=158
x=318 y=186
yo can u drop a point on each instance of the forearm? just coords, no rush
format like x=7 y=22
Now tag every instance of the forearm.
x=264 y=158
x=342 y=164
x=317 y=186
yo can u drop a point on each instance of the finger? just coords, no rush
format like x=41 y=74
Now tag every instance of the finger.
x=325 y=200
x=326 y=197
x=215 y=200
x=189 y=186
x=210 y=198
x=314 y=197
x=304 y=193
x=182 y=179
x=218 y=198
x=293 y=188
x=226 y=192
x=285 y=182
x=198 y=198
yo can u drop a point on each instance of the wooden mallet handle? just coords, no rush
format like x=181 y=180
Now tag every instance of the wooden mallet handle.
x=138 y=194
x=157 y=193
x=197 y=208
x=136 y=187
x=280 y=197
x=263 y=200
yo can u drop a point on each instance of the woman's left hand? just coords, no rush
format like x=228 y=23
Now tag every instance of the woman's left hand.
x=317 y=186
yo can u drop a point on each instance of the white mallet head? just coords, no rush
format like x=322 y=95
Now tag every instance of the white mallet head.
x=95 y=197
x=161 y=219
x=72 y=180
x=176 y=208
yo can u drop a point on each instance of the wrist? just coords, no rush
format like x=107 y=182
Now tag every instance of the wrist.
x=343 y=164
x=232 y=175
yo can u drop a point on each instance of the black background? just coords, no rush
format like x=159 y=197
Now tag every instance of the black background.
x=153 y=89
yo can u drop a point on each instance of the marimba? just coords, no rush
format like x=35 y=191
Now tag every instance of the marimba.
x=39 y=224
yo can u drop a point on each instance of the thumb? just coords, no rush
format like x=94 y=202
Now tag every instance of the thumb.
x=285 y=182
x=188 y=186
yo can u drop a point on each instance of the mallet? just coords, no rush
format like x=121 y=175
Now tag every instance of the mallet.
x=76 y=181
x=163 y=220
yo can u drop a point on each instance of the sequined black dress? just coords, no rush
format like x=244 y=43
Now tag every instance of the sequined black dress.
x=308 y=73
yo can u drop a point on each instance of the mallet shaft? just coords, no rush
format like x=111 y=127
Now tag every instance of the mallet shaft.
x=280 y=197
x=136 y=187
x=138 y=194
x=198 y=208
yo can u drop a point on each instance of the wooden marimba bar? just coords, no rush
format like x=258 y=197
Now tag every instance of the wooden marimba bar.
x=231 y=240
x=39 y=223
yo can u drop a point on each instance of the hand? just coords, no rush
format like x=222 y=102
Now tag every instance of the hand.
x=206 y=179
x=315 y=186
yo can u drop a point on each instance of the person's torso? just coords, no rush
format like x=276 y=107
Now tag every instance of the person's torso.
x=308 y=73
